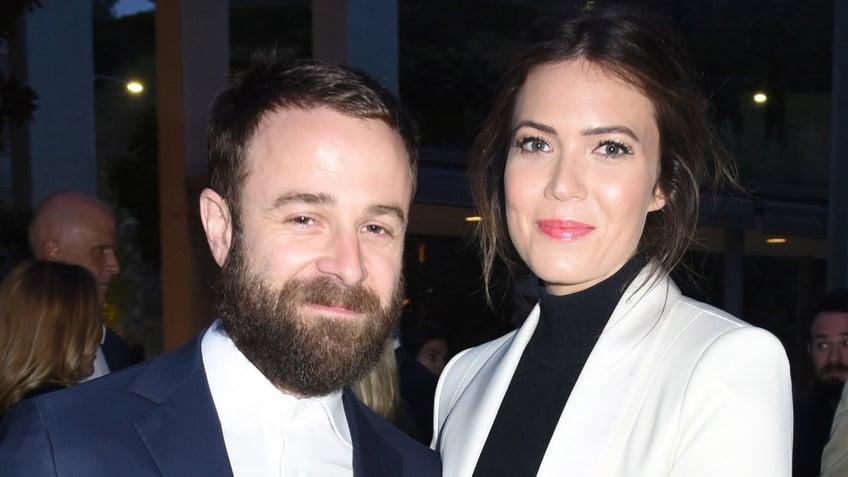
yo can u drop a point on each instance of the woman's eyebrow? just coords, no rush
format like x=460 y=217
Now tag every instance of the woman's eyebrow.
x=600 y=130
x=526 y=123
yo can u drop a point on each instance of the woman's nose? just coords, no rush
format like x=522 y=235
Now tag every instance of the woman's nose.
x=567 y=179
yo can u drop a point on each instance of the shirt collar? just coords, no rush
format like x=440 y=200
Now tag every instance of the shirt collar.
x=239 y=389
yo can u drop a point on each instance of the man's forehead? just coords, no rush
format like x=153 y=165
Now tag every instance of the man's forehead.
x=830 y=323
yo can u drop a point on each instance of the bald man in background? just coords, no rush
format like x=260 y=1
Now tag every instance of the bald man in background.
x=80 y=229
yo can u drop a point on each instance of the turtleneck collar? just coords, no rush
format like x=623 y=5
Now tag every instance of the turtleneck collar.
x=569 y=325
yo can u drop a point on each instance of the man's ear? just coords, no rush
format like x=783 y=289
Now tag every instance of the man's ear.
x=51 y=251
x=217 y=223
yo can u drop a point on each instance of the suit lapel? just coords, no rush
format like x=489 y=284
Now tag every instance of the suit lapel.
x=372 y=455
x=181 y=431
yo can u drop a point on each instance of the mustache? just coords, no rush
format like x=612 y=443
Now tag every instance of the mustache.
x=830 y=367
x=325 y=292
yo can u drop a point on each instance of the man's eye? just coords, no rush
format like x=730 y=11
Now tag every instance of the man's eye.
x=822 y=346
x=377 y=229
x=303 y=220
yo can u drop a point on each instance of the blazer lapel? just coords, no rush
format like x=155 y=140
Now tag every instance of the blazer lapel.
x=181 y=431
x=372 y=455
x=600 y=411
x=481 y=399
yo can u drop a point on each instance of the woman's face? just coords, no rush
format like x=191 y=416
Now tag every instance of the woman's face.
x=581 y=174
x=433 y=355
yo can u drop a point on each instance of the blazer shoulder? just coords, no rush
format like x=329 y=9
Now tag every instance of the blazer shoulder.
x=472 y=359
x=460 y=371
x=711 y=325
x=25 y=447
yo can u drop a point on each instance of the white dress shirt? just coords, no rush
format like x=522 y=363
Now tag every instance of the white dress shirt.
x=266 y=431
x=101 y=367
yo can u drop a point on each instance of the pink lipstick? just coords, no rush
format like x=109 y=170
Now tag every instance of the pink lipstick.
x=564 y=230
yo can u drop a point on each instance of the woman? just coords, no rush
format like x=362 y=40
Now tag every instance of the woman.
x=379 y=389
x=587 y=174
x=50 y=328
x=428 y=343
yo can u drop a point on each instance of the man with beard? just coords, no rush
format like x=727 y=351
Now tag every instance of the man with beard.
x=312 y=170
x=816 y=403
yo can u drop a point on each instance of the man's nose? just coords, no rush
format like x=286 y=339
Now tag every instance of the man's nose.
x=111 y=264
x=343 y=259
x=839 y=354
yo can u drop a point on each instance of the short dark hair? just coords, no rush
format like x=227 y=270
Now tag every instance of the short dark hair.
x=414 y=337
x=272 y=83
x=646 y=54
x=833 y=301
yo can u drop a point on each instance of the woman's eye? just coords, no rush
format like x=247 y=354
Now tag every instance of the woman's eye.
x=533 y=145
x=613 y=148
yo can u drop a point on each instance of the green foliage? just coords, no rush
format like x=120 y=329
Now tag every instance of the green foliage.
x=10 y=10
x=17 y=101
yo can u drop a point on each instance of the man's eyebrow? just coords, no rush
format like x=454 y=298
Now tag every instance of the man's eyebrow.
x=600 y=130
x=304 y=198
x=323 y=198
x=381 y=209
x=825 y=335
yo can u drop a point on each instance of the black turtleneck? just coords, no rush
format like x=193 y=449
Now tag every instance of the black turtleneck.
x=568 y=328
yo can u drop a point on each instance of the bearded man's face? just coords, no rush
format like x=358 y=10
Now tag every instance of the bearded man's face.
x=305 y=354
x=312 y=248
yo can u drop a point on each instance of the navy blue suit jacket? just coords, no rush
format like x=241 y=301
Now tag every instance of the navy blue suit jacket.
x=158 y=418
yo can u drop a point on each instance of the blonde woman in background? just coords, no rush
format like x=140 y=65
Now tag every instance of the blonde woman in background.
x=380 y=391
x=50 y=328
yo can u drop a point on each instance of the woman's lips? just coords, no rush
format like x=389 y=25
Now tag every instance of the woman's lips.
x=564 y=230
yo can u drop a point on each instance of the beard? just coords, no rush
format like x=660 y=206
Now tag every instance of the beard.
x=828 y=384
x=308 y=355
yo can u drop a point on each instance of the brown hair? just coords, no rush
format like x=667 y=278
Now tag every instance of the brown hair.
x=50 y=327
x=641 y=52
x=272 y=84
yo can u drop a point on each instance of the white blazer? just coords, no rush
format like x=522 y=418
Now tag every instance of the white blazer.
x=673 y=387
x=835 y=456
